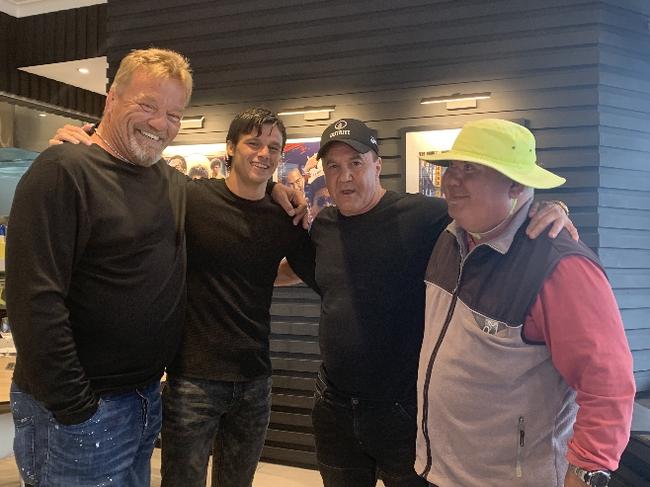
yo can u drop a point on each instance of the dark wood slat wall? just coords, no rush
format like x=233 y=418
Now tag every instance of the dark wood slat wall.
x=295 y=357
x=624 y=173
x=50 y=38
x=61 y=36
x=8 y=27
x=376 y=60
x=565 y=66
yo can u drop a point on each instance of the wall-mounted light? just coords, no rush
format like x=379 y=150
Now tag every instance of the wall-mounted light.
x=42 y=115
x=192 y=122
x=457 y=100
x=310 y=113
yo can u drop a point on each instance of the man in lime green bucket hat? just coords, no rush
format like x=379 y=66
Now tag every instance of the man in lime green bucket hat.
x=519 y=333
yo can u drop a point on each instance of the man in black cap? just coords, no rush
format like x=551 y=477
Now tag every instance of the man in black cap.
x=371 y=253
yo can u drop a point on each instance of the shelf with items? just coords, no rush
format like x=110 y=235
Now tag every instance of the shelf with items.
x=3 y=305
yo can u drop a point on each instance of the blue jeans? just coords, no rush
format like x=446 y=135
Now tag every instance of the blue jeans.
x=227 y=418
x=359 y=440
x=113 y=447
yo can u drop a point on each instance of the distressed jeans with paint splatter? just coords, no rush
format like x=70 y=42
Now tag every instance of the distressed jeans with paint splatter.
x=112 y=448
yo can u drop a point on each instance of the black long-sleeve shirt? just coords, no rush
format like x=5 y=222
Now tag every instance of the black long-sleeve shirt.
x=95 y=276
x=234 y=247
x=370 y=271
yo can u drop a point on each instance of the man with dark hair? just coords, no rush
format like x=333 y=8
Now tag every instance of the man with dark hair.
x=218 y=388
x=252 y=120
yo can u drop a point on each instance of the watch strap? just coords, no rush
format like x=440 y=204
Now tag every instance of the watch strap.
x=593 y=478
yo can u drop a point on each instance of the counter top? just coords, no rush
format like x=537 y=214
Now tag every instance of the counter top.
x=7 y=363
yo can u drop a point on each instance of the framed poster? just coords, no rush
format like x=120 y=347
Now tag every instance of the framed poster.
x=421 y=176
x=198 y=160
x=298 y=168
x=299 y=158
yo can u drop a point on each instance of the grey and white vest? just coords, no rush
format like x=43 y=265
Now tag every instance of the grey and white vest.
x=492 y=409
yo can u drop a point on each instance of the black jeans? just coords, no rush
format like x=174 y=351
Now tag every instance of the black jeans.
x=228 y=417
x=357 y=440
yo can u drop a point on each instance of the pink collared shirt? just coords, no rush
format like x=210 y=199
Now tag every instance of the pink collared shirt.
x=576 y=315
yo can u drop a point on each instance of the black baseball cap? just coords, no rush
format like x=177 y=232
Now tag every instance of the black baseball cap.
x=352 y=132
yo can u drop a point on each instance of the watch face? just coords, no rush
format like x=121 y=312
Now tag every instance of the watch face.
x=599 y=479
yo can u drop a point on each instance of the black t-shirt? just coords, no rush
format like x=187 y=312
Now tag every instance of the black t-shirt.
x=95 y=276
x=234 y=248
x=370 y=271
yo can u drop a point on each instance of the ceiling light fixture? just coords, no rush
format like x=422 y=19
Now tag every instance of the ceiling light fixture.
x=300 y=111
x=83 y=70
x=310 y=113
x=42 y=114
x=195 y=122
x=457 y=100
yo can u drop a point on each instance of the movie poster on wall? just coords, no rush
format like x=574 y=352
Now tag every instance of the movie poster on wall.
x=298 y=168
x=301 y=170
x=421 y=176
x=198 y=160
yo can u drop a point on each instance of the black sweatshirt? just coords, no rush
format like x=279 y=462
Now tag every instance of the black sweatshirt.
x=234 y=247
x=95 y=276
x=370 y=270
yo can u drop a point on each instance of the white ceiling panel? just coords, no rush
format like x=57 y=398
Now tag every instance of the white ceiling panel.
x=25 y=8
x=68 y=72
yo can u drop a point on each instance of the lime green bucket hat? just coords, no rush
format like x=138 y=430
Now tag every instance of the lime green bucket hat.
x=505 y=146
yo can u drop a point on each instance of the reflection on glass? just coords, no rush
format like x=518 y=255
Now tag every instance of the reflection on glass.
x=24 y=133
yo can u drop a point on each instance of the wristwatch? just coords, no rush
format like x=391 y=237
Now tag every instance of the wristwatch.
x=594 y=478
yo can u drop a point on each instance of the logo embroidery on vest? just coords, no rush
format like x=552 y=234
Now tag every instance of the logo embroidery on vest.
x=494 y=327
x=491 y=327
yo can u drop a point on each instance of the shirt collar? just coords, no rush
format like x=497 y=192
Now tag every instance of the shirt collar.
x=500 y=243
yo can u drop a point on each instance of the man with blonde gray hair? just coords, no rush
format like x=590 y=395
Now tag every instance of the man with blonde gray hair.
x=525 y=375
x=96 y=265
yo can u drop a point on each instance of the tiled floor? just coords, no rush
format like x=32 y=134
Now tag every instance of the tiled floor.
x=9 y=473
x=268 y=475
